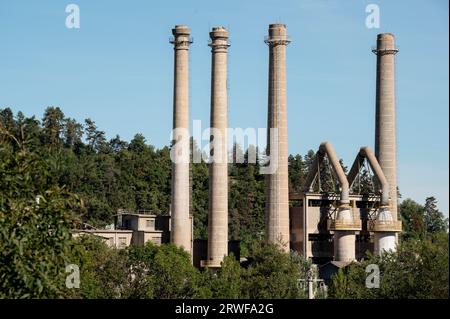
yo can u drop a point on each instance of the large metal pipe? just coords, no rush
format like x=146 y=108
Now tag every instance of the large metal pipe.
x=366 y=153
x=384 y=240
x=343 y=225
x=344 y=240
x=384 y=226
x=327 y=148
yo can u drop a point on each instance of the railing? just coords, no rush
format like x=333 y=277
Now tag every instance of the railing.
x=186 y=39
x=139 y=211
x=384 y=225
x=281 y=39
x=384 y=50
x=336 y=224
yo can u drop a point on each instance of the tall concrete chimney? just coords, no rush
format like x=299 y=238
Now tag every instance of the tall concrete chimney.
x=181 y=233
x=218 y=167
x=277 y=192
x=385 y=124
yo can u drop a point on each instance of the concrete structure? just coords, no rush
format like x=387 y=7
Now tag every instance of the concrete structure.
x=385 y=124
x=200 y=251
x=218 y=167
x=344 y=224
x=384 y=226
x=117 y=238
x=133 y=228
x=181 y=228
x=277 y=192
x=312 y=233
x=146 y=227
x=327 y=226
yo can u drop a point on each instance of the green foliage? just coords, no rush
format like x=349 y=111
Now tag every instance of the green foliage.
x=421 y=221
x=339 y=289
x=166 y=272
x=104 y=271
x=162 y=272
x=226 y=282
x=412 y=215
x=35 y=218
x=269 y=273
x=273 y=274
x=418 y=269
x=246 y=203
x=434 y=219
x=110 y=175
x=170 y=272
x=43 y=166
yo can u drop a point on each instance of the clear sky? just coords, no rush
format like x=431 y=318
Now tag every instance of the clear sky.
x=118 y=70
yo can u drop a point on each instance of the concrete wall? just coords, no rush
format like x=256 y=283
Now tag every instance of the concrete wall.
x=296 y=229
x=142 y=237
x=318 y=242
x=113 y=238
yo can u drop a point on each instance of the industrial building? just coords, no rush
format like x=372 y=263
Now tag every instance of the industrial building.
x=338 y=223
x=132 y=228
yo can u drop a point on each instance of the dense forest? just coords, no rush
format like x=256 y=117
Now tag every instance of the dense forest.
x=56 y=174
x=116 y=174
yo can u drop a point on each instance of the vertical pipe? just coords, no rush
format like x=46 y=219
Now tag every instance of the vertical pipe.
x=218 y=167
x=181 y=230
x=277 y=192
x=385 y=125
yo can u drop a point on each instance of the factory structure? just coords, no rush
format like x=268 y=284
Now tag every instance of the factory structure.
x=334 y=224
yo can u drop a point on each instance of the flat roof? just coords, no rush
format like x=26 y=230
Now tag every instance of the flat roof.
x=138 y=215
x=105 y=231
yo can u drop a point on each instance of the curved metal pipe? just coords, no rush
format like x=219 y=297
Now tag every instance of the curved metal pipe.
x=376 y=168
x=327 y=148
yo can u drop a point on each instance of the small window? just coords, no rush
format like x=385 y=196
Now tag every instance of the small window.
x=122 y=242
x=150 y=223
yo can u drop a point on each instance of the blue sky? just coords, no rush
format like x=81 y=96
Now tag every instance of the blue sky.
x=117 y=69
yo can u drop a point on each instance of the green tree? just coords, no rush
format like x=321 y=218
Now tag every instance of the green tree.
x=35 y=221
x=104 y=271
x=166 y=271
x=434 y=219
x=412 y=214
x=73 y=133
x=297 y=170
x=53 y=126
x=225 y=283
x=418 y=269
x=274 y=274
x=95 y=138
